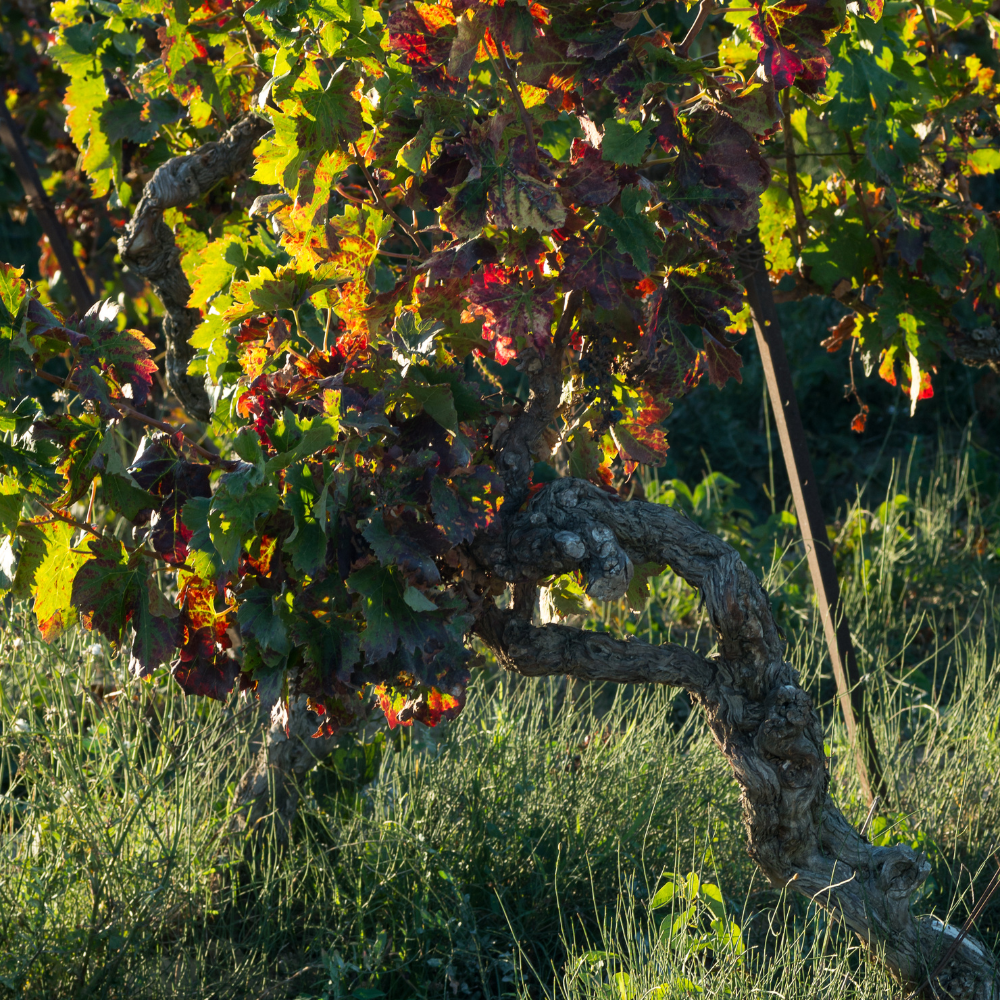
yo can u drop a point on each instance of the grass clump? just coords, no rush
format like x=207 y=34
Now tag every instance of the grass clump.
x=554 y=841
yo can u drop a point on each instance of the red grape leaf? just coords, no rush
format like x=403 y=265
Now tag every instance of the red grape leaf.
x=204 y=666
x=512 y=308
x=424 y=35
x=793 y=38
x=590 y=180
x=419 y=703
x=722 y=361
x=603 y=271
x=458 y=260
x=124 y=355
x=720 y=173
x=642 y=439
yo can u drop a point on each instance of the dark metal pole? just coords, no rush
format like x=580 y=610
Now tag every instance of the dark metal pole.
x=10 y=136
x=812 y=524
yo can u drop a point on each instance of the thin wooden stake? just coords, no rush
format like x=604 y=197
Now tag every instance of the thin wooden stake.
x=809 y=510
x=10 y=136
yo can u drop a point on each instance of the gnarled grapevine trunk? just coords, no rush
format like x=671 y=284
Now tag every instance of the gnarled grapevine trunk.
x=149 y=249
x=287 y=752
x=762 y=720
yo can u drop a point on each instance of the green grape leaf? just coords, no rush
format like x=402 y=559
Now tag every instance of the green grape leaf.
x=54 y=577
x=306 y=499
x=11 y=501
x=260 y=617
x=154 y=641
x=313 y=119
x=437 y=401
x=235 y=507
x=634 y=232
x=624 y=141
x=390 y=622
x=842 y=254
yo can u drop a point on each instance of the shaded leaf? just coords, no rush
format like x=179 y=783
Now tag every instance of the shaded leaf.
x=400 y=549
x=390 y=623
x=590 y=181
x=603 y=271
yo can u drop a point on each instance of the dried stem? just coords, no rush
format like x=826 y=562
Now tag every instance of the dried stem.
x=508 y=74
x=39 y=203
x=90 y=507
x=705 y=9
x=60 y=516
x=932 y=37
x=385 y=206
x=127 y=411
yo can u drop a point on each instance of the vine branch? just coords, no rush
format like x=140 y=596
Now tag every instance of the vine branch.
x=508 y=74
x=148 y=246
x=762 y=720
x=127 y=411
x=545 y=389
x=705 y=9
x=38 y=201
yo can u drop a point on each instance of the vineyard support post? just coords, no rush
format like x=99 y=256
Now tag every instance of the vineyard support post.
x=38 y=200
x=809 y=511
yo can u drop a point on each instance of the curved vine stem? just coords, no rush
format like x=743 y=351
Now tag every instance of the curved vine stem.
x=705 y=10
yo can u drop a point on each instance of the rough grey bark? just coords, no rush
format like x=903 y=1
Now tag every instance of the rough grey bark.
x=978 y=348
x=288 y=751
x=762 y=720
x=148 y=248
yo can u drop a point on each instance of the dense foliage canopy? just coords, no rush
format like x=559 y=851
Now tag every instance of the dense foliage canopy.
x=429 y=207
